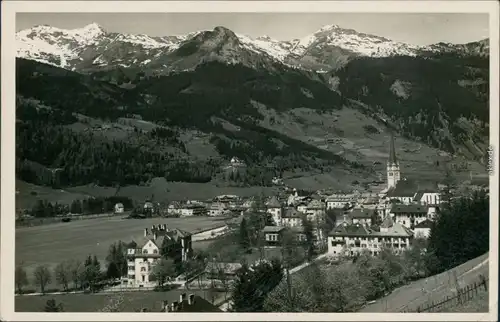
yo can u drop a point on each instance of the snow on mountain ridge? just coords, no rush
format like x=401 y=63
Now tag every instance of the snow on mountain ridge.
x=65 y=48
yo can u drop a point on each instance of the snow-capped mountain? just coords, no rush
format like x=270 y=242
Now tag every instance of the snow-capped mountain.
x=93 y=48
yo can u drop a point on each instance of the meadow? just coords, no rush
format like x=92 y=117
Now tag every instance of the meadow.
x=54 y=243
x=132 y=301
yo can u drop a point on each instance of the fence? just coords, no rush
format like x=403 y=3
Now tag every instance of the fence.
x=463 y=295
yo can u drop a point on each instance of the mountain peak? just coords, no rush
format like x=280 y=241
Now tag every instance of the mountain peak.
x=94 y=27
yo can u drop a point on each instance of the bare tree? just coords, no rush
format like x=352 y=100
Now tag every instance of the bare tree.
x=42 y=277
x=76 y=270
x=21 y=278
x=62 y=274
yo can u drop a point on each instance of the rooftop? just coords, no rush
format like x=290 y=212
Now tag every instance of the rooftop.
x=272 y=229
x=424 y=224
x=404 y=188
x=360 y=213
x=199 y=305
x=291 y=213
x=273 y=203
x=403 y=209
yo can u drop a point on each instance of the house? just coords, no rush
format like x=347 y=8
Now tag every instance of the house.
x=273 y=206
x=273 y=236
x=302 y=207
x=351 y=239
x=190 y=304
x=189 y=210
x=315 y=210
x=214 y=270
x=423 y=229
x=409 y=215
x=361 y=216
x=291 y=217
x=149 y=207
x=340 y=200
x=145 y=252
x=217 y=209
x=174 y=209
x=119 y=208
x=298 y=196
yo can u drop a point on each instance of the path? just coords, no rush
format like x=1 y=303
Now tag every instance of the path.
x=433 y=288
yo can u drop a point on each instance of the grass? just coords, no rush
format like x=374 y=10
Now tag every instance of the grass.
x=96 y=302
x=164 y=191
x=27 y=194
x=431 y=289
x=52 y=244
x=480 y=303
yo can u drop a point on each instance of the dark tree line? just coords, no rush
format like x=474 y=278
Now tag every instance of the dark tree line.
x=89 y=206
x=460 y=233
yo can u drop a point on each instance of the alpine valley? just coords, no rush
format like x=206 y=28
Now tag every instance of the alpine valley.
x=110 y=109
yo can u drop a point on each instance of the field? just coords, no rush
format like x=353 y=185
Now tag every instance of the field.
x=162 y=191
x=346 y=131
x=27 y=194
x=433 y=288
x=96 y=302
x=51 y=244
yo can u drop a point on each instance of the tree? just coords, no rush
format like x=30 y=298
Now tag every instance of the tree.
x=76 y=269
x=310 y=238
x=117 y=260
x=449 y=187
x=172 y=249
x=21 y=278
x=460 y=232
x=42 y=277
x=62 y=274
x=254 y=283
x=52 y=306
x=163 y=270
x=244 y=235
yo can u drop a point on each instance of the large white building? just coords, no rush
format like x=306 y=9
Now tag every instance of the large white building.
x=349 y=239
x=145 y=253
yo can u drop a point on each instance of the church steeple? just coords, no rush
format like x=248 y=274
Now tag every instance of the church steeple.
x=393 y=172
x=392 y=152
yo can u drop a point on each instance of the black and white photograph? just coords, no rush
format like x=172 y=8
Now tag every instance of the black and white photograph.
x=249 y=161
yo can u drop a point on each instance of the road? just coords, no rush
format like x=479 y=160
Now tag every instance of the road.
x=434 y=288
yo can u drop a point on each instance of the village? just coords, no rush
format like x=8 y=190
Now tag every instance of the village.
x=341 y=225
x=357 y=222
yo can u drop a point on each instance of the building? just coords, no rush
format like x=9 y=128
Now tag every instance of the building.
x=273 y=236
x=301 y=207
x=145 y=252
x=273 y=206
x=214 y=270
x=191 y=304
x=409 y=215
x=291 y=217
x=193 y=210
x=360 y=216
x=404 y=191
x=340 y=200
x=351 y=239
x=119 y=208
x=315 y=210
x=217 y=209
x=174 y=209
x=427 y=197
x=423 y=229
x=393 y=170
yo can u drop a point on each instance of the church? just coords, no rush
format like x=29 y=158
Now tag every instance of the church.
x=408 y=201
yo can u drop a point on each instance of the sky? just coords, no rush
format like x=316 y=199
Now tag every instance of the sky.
x=412 y=28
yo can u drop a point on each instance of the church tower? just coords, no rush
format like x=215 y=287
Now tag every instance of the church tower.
x=393 y=171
